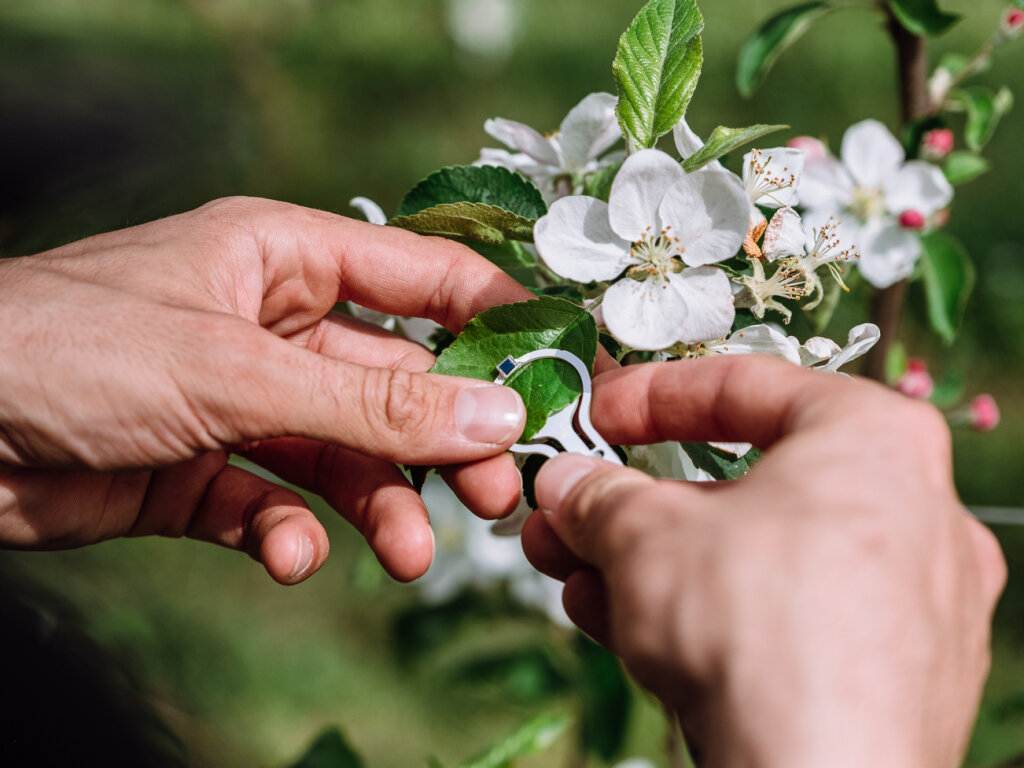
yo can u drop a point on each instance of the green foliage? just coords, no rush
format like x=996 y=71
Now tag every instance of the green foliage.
x=720 y=464
x=599 y=184
x=984 y=108
x=724 y=140
x=763 y=48
x=948 y=281
x=535 y=736
x=546 y=386
x=486 y=184
x=606 y=701
x=330 y=750
x=656 y=69
x=509 y=255
x=923 y=17
x=895 y=362
x=961 y=167
x=472 y=221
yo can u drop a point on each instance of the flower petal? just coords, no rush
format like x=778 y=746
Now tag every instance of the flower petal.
x=576 y=242
x=707 y=292
x=887 y=252
x=825 y=185
x=862 y=338
x=918 y=186
x=644 y=314
x=709 y=213
x=688 y=143
x=785 y=165
x=588 y=130
x=372 y=212
x=871 y=153
x=757 y=340
x=785 y=235
x=817 y=350
x=523 y=138
x=637 y=191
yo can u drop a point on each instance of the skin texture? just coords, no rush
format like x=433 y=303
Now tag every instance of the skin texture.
x=831 y=608
x=134 y=362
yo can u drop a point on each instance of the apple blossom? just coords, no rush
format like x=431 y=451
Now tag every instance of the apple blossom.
x=656 y=235
x=873 y=187
x=1013 y=22
x=813 y=149
x=937 y=144
x=556 y=162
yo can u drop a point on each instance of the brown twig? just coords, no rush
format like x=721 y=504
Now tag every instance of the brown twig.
x=915 y=102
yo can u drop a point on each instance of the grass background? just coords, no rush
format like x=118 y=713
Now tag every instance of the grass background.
x=115 y=112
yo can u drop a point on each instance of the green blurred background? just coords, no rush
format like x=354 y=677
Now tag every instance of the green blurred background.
x=114 y=112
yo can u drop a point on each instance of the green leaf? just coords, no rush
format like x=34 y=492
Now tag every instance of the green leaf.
x=895 y=362
x=330 y=750
x=471 y=221
x=546 y=386
x=724 y=140
x=656 y=69
x=763 y=48
x=961 y=167
x=720 y=464
x=948 y=281
x=923 y=17
x=508 y=256
x=535 y=736
x=487 y=184
x=984 y=109
x=606 y=701
x=599 y=184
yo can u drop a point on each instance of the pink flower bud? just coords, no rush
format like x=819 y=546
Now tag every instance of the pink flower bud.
x=913 y=220
x=916 y=382
x=1013 y=21
x=984 y=413
x=937 y=144
x=812 y=148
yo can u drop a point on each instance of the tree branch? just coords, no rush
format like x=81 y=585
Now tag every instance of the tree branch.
x=915 y=102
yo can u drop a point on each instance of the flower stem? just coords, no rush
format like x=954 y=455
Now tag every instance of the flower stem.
x=915 y=103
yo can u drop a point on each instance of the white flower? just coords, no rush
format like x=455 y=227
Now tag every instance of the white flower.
x=557 y=161
x=486 y=28
x=467 y=554
x=663 y=227
x=370 y=210
x=874 y=190
x=818 y=352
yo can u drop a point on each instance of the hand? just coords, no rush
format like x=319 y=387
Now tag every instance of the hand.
x=831 y=608
x=134 y=362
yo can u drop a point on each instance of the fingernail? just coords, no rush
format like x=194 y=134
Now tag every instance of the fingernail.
x=304 y=559
x=559 y=476
x=489 y=414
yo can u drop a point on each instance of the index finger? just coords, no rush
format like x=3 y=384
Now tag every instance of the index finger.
x=753 y=398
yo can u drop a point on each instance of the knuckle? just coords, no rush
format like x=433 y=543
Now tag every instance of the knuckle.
x=399 y=400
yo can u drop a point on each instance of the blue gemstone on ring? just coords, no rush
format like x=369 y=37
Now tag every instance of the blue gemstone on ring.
x=506 y=366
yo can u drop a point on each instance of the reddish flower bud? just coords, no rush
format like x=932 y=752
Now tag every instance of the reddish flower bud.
x=984 y=413
x=937 y=144
x=916 y=382
x=812 y=148
x=913 y=220
x=1013 y=21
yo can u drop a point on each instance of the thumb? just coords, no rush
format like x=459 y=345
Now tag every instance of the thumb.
x=599 y=510
x=397 y=415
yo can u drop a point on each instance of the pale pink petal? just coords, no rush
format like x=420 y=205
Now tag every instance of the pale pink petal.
x=825 y=185
x=588 y=130
x=523 y=138
x=709 y=213
x=576 y=242
x=637 y=191
x=920 y=187
x=871 y=153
